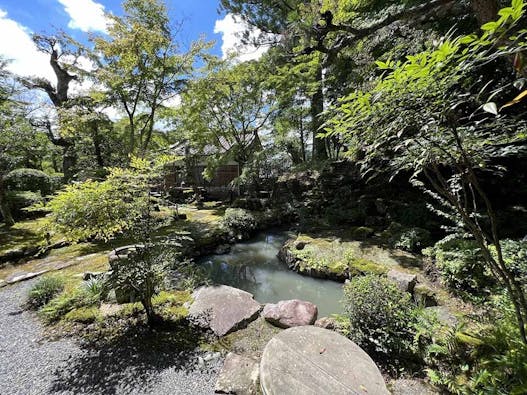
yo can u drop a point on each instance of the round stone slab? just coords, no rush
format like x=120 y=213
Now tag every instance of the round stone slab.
x=310 y=360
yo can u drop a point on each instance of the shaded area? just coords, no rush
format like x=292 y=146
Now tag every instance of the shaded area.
x=134 y=359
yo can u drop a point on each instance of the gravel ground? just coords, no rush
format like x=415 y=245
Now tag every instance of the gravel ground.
x=31 y=365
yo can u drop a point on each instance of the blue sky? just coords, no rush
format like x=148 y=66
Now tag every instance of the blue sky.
x=20 y=18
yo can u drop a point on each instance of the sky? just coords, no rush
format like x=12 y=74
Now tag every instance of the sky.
x=79 y=18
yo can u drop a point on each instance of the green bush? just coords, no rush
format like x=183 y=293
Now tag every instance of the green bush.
x=44 y=290
x=239 y=220
x=29 y=180
x=382 y=318
x=461 y=265
x=411 y=239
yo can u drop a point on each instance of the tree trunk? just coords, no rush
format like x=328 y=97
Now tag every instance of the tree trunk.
x=5 y=210
x=69 y=160
x=152 y=318
x=485 y=10
x=317 y=108
x=97 y=145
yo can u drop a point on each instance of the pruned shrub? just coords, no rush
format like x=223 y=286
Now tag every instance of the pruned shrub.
x=44 y=290
x=382 y=318
x=239 y=220
x=29 y=180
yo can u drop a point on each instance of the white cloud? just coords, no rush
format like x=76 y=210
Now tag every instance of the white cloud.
x=26 y=60
x=86 y=15
x=231 y=27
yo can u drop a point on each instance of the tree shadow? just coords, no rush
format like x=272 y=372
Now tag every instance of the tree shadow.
x=133 y=360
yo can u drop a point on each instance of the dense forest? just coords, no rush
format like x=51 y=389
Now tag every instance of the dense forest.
x=366 y=125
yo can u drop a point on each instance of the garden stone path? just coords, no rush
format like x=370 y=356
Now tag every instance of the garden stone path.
x=31 y=365
x=307 y=360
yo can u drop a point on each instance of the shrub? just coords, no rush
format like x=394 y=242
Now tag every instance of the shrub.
x=411 y=239
x=29 y=180
x=142 y=274
x=44 y=290
x=382 y=318
x=239 y=220
x=461 y=265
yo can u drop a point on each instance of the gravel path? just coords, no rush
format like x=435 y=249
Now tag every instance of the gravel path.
x=30 y=365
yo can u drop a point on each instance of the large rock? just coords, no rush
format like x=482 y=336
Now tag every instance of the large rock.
x=288 y=313
x=406 y=282
x=311 y=361
x=239 y=376
x=223 y=309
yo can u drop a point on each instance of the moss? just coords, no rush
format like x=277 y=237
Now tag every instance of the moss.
x=172 y=298
x=248 y=341
x=365 y=266
x=84 y=315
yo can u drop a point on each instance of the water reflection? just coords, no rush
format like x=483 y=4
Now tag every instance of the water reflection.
x=254 y=267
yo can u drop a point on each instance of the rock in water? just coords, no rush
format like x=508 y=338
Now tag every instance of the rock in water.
x=309 y=360
x=288 y=313
x=223 y=309
x=239 y=376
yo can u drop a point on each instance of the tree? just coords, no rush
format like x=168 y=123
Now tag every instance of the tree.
x=228 y=109
x=330 y=31
x=64 y=58
x=141 y=67
x=17 y=137
x=445 y=132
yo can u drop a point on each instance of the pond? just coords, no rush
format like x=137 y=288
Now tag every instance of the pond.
x=254 y=267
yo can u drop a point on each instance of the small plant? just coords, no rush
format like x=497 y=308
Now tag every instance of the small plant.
x=239 y=220
x=142 y=274
x=61 y=305
x=382 y=318
x=44 y=290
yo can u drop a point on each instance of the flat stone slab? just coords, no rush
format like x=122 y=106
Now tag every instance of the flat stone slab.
x=239 y=376
x=309 y=360
x=22 y=276
x=223 y=309
x=288 y=313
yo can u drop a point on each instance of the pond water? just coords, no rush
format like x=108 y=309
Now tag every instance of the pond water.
x=254 y=267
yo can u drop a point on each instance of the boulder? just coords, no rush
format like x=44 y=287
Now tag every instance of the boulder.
x=239 y=376
x=405 y=281
x=311 y=361
x=223 y=309
x=288 y=313
x=327 y=323
x=424 y=295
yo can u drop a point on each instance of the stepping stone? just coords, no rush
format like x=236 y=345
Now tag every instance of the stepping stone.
x=17 y=277
x=239 y=376
x=405 y=282
x=223 y=309
x=288 y=313
x=309 y=360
